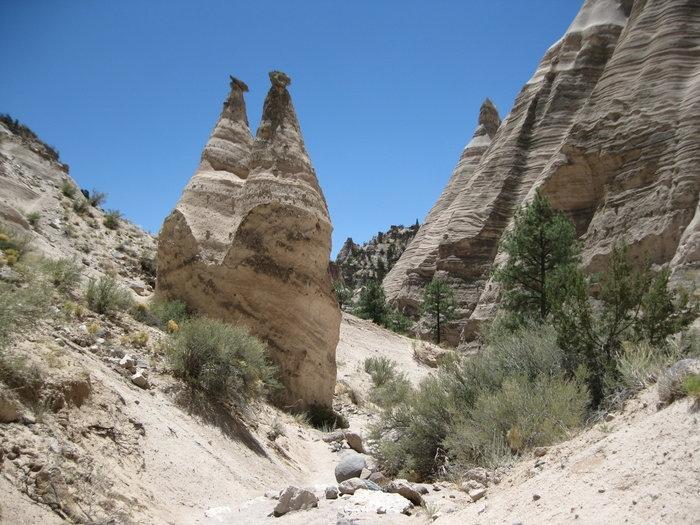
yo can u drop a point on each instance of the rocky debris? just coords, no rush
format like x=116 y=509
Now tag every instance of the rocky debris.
x=373 y=502
x=354 y=440
x=600 y=132
x=140 y=379
x=128 y=362
x=477 y=494
x=379 y=478
x=670 y=383
x=357 y=264
x=478 y=474
x=405 y=489
x=349 y=486
x=293 y=498
x=10 y=407
x=350 y=466
x=331 y=492
x=249 y=242
x=538 y=452
x=429 y=354
x=333 y=437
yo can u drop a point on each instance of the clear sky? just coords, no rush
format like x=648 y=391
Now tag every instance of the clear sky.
x=387 y=92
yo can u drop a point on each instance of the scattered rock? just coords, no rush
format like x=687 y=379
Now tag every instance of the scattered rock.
x=333 y=437
x=477 y=494
x=350 y=466
x=538 y=452
x=535 y=497
x=10 y=408
x=479 y=474
x=331 y=492
x=128 y=362
x=379 y=478
x=471 y=484
x=294 y=498
x=354 y=440
x=374 y=502
x=349 y=486
x=140 y=379
x=406 y=489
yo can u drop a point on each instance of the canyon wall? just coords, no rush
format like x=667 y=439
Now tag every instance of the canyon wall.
x=609 y=128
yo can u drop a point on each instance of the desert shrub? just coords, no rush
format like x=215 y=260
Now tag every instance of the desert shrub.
x=172 y=327
x=149 y=266
x=381 y=369
x=80 y=206
x=520 y=415
x=169 y=310
x=372 y=303
x=139 y=339
x=33 y=218
x=14 y=240
x=112 y=219
x=416 y=435
x=691 y=386
x=220 y=359
x=68 y=189
x=106 y=296
x=20 y=306
x=64 y=274
x=398 y=322
x=97 y=198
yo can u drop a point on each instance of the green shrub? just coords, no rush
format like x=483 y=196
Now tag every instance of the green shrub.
x=220 y=359
x=381 y=369
x=97 y=198
x=398 y=322
x=22 y=306
x=691 y=386
x=112 y=219
x=106 y=296
x=166 y=310
x=80 y=206
x=343 y=293
x=414 y=436
x=33 y=218
x=68 y=189
x=372 y=303
x=520 y=415
x=64 y=274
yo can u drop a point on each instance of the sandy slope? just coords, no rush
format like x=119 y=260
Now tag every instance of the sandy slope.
x=641 y=467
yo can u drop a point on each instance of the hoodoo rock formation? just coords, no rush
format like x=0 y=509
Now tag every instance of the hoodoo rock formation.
x=249 y=242
x=608 y=128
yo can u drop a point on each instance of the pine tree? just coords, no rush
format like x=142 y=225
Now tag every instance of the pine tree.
x=541 y=243
x=438 y=306
x=372 y=303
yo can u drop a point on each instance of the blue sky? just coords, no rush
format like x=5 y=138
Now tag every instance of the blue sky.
x=387 y=92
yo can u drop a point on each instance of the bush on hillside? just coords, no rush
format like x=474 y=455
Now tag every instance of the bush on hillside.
x=64 y=274
x=112 y=219
x=220 y=359
x=20 y=306
x=106 y=296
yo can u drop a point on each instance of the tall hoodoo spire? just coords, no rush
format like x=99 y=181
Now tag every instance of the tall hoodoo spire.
x=249 y=242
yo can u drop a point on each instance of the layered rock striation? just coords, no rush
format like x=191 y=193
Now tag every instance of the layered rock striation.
x=249 y=243
x=608 y=127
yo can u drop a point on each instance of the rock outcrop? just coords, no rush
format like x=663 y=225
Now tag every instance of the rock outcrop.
x=249 y=242
x=608 y=128
x=357 y=264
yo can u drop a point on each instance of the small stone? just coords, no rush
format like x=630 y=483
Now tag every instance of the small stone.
x=539 y=451
x=332 y=492
x=354 y=440
x=127 y=362
x=405 y=489
x=365 y=474
x=140 y=379
x=381 y=510
x=477 y=494
x=535 y=497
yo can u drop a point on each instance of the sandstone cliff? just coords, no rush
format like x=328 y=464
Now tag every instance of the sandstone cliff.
x=608 y=127
x=249 y=242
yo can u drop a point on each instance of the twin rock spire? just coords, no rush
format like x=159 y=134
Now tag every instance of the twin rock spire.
x=250 y=239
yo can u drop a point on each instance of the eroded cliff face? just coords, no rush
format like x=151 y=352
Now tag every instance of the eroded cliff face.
x=609 y=128
x=249 y=242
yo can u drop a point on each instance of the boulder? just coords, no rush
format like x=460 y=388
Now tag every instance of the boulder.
x=350 y=466
x=249 y=242
x=406 y=489
x=354 y=440
x=379 y=478
x=373 y=502
x=477 y=494
x=331 y=492
x=670 y=383
x=349 y=486
x=140 y=379
x=294 y=498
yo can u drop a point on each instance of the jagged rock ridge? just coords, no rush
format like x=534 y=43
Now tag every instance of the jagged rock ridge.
x=249 y=242
x=356 y=264
x=608 y=127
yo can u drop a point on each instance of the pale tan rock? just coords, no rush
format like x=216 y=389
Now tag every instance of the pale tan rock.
x=249 y=242
x=608 y=128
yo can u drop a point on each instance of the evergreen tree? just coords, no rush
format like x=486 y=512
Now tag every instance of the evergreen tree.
x=438 y=306
x=542 y=241
x=372 y=303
